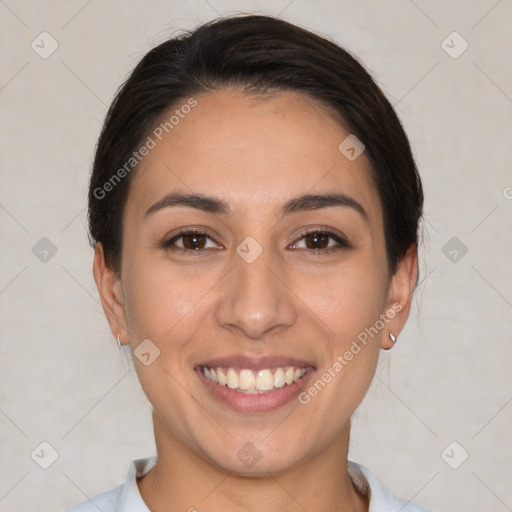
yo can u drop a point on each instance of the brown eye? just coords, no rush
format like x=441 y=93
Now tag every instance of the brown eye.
x=194 y=241
x=321 y=242
x=190 y=240
x=317 y=240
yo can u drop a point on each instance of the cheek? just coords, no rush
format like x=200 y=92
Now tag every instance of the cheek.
x=164 y=305
x=160 y=297
x=347 y=300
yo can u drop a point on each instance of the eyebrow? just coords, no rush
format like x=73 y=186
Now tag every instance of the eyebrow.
x=297 y=204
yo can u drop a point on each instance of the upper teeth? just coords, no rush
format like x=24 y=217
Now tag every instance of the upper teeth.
x=247 y=381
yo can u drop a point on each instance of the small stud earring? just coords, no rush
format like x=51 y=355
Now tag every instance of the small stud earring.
x=392 y=337
x=119 y=341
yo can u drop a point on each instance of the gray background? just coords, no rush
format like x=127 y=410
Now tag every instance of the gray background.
x=63 y=380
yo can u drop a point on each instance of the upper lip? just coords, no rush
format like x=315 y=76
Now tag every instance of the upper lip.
x=256 y=362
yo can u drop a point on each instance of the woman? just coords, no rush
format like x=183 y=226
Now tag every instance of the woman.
x=254 y=208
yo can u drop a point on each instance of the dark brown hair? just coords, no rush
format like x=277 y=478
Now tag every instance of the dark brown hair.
x=255 y=54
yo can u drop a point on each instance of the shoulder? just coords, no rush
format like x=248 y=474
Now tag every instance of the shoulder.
x=381 y=500
x=106 y=502
x=123 y=498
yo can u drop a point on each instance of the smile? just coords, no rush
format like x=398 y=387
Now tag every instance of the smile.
x=254 y=381
x=255 y=386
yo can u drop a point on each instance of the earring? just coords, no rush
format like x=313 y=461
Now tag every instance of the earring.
x=392 y=337
x=119 y=341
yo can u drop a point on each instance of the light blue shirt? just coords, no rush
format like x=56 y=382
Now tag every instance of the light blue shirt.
x=127 y=498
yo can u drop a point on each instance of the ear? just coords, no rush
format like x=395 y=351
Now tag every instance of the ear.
x=400 y=293
x=111 y=294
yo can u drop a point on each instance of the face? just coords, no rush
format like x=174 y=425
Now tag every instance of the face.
x=253 y=245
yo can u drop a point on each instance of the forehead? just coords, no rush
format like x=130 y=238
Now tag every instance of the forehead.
x=252 y=150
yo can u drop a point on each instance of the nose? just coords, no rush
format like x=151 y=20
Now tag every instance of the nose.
x=256 y=299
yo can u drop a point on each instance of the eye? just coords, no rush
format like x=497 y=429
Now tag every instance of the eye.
x=320 y=241
x=191 y=240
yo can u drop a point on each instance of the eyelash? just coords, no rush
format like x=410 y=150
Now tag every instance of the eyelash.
x=342 y=243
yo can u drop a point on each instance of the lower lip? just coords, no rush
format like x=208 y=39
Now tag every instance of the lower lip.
x=257 y=402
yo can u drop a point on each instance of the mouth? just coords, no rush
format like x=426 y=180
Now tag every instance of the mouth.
x=244 y=380
x=255 y=385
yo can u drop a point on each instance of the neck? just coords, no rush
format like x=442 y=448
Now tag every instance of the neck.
x=183 y=480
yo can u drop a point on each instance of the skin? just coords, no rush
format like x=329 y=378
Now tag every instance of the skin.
x=254 y=153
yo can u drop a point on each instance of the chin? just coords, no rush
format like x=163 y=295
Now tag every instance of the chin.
x=253 y=460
